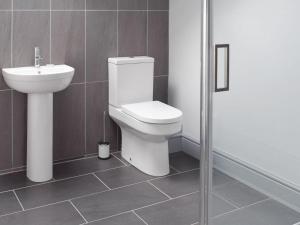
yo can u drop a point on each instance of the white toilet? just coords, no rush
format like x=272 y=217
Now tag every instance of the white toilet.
x=146 y=125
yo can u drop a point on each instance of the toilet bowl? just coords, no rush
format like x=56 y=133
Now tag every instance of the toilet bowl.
x=146 y=125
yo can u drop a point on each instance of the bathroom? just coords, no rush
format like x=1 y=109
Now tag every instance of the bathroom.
x=104 y=124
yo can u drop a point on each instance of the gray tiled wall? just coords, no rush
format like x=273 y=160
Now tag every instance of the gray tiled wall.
x=83 y=34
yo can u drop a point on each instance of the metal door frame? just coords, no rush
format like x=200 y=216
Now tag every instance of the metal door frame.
x=206 y=159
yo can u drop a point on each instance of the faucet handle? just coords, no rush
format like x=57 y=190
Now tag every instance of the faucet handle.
x=36 y=51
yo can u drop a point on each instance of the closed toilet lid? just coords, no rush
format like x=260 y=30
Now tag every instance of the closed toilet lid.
x=153 y=112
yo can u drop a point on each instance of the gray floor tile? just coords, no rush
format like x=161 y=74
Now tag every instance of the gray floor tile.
x=264 y=213
x=220 y=178
x=179 y=184
x=117 y=201
x=122 y=176
x=59 y=191
x=239 y=194
x=183 y=162
x=123 y=219
x=58 y=214
x=9 y=203
x=180 y=211
x=220 y=206
x=14 y=180
x=84 y=166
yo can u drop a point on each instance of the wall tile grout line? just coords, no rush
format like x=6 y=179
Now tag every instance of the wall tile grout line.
x=12 y=92
x=50 y=33
x=158 y=76
x=85 y=220
x=12 y=170
x=138 y=216
x=82 y=10
x=85 y=80
x=7 y=89
x=147 y=41
x=12 y=128
x=17 y=197
x=118 y=28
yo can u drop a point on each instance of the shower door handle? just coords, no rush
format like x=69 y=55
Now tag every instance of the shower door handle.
x=221 y=67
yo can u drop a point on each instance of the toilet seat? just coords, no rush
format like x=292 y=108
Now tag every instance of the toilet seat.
x=155 y=129
x=154 y=112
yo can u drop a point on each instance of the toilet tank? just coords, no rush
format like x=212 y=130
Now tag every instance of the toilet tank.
x=130 y=80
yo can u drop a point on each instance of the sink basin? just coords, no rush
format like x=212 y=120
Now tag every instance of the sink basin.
x=40 y=84
x=45 y=79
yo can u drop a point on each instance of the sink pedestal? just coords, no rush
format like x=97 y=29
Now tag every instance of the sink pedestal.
x=40 y=84
x=40 y=137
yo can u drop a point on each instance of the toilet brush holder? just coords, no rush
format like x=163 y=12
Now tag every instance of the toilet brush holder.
x=103 y=150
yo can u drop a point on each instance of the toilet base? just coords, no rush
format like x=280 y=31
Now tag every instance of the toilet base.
x=147 y=153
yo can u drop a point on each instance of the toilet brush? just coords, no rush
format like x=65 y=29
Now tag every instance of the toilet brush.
x=103 y=146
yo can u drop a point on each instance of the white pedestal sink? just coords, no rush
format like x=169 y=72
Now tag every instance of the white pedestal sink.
x=40 y=84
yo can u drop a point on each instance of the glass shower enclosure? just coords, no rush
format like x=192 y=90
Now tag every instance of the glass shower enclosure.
x=250 y=109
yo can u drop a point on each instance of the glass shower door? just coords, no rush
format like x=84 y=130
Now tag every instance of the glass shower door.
x=255 y=127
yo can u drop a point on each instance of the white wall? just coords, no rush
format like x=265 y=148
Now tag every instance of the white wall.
x=258 y=120
x=184 y=79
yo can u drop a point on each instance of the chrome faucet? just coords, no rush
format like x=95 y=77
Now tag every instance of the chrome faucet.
x=37 y=57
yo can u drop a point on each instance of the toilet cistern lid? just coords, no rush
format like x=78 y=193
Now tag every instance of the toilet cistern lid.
x=131 y=60
x=153 y=112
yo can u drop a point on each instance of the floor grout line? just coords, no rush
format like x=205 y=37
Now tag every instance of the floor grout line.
x=19 y=200
x=119 y=159
x=226 y=200
x=62 y=179
x=225 y=184
x=96 y=193
x=85 y=76
x=159 y=190
x=138 y=216
x=176 y=170
x=85 y=220
x=101 y=181
x=244 y=207
x=100 y=171
x=74 y=160
x=146 y=206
